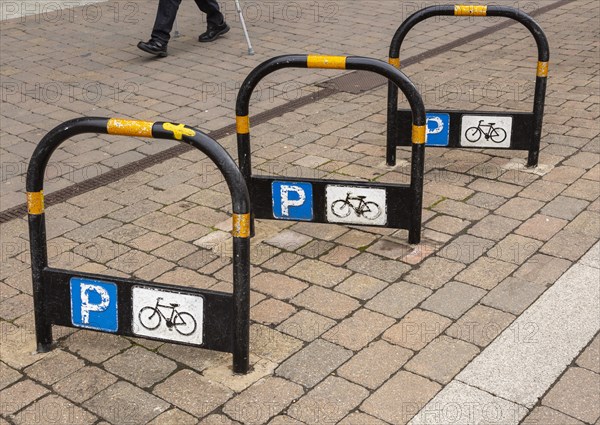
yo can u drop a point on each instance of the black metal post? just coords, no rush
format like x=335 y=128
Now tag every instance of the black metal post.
x=179 y=132
x=397 y=79
x=471 y=10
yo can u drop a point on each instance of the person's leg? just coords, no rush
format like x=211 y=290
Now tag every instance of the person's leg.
x=214 y=17
x=216 y=24
x=165 y=18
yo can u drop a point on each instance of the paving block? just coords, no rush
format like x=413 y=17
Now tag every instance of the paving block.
x=486 y=272
x=306 y=325
x=263 y=400
x=442 y=359
x=453 y=299
x=272 y=344
x=564 y=207
x=140 y=366
x=374 y=266
x=361 y=286
x=8 y=376
x=465 y=249
x=358 y=418
x=400 y=398
x=193 y=357
x=326 y=302
x=56 y=410
x=358 y=330
x=398 y=299
x=19 y=395
x=372 y=366
x=417 y=329
x=271 y=311
x=288 y=240
x=590 y=358
x=319 y=272
x=83 y=384
x=519 y=208
x=434 y=272
x=174 y=416
x=494 y=227
x=223 y=373
x=55 y=366
x=192 y=393
x=513 y=295
x=328 y=402
x=313 y=363
x=514 y=249
x=480 y=325
x=576 y=394
x=541 y=227
x=545 y=415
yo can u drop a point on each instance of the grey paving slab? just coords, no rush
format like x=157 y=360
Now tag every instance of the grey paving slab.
x=461 y=404
x=560 y=323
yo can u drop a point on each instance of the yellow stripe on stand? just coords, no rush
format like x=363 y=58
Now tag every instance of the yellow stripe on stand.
x=135 y=128
x=418 y=134
x=467 y=10
x=326 y=62
x=35 y=202
x=542 y=69
x=241 y=225
x=242 y=124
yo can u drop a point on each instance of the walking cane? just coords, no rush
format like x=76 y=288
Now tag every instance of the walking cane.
x=176 y=34
x=239 y=11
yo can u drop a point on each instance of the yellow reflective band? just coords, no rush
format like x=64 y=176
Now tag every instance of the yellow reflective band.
x=467 y=10
x=241 y=225
x=418 y=134
x=123 y=127
x=35 y=202
x=326 y=62
x=242 y=124
x=179 y=130
x=542 y=69
x=395 y=62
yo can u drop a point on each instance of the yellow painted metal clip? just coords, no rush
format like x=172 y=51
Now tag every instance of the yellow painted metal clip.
x=179 y=130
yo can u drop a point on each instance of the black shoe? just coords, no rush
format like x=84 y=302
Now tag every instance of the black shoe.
x=154 y=47
x=212 y=33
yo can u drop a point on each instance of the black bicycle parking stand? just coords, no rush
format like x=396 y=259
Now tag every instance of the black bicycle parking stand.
x=463 y=129
x=335 y=201
x=182 y=315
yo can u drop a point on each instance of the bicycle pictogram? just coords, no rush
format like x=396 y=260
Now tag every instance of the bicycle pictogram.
x=495 y=134
x=367 y=209
x=152 y=317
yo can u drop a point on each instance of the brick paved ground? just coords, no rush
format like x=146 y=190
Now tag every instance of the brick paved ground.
x=350 y=325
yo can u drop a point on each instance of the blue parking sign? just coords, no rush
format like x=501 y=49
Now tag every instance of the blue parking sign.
x=292 y=200
x=438 y=129
x=94 y=304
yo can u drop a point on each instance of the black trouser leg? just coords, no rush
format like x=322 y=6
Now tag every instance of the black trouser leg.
x=165 y=18
x=214 y=17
